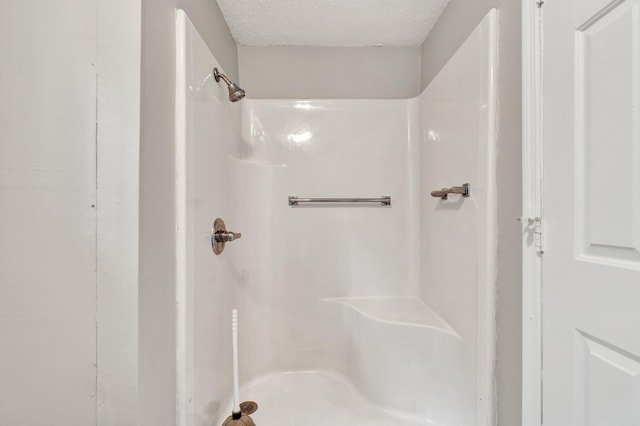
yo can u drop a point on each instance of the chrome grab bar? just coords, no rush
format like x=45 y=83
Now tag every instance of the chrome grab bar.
x=464 y=190
x=296 y=201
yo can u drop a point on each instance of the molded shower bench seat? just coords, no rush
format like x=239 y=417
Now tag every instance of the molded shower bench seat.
x=403 y=356
x=397 y=310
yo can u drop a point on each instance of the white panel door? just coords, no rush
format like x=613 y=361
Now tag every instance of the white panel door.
x=591 y=266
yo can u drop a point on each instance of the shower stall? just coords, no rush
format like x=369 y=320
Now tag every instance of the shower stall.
x=350 y=312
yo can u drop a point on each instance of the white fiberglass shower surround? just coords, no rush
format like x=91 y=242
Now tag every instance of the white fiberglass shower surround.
x=348 y=314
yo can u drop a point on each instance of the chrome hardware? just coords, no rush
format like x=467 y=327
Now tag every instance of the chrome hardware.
x=383 y=201
x=464 y=190
x=220 y=236
x=529 y=220
x=235 y=92
x=535 y=225
x=225 y=237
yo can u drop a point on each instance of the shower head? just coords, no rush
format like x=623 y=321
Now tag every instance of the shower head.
x=235 y=92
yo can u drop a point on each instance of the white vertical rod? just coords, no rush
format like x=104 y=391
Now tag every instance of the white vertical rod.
x=234 y=331
x=180 y=194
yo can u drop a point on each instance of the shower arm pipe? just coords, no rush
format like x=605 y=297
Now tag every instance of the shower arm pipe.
x=383 y=201
x=464 y=190
x=217 y=75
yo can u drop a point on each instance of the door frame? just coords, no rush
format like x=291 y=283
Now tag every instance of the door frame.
x=532 y=211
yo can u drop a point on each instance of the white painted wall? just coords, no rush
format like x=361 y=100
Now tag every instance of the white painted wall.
x=48 y=218
x=118 y=147
x=68 y=137
x=314 y=72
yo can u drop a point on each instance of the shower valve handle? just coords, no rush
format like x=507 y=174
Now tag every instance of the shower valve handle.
x=225 y=237
x=220 y=236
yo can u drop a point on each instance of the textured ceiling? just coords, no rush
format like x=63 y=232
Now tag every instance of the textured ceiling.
x=331 y=22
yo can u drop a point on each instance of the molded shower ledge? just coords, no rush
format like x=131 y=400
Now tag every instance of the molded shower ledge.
x=397 y=310
x=403 y=356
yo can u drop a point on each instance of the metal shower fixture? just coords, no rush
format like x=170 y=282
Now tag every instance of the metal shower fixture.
x=235 y=92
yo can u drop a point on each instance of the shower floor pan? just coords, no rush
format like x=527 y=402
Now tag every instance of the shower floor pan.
x=318 y=398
